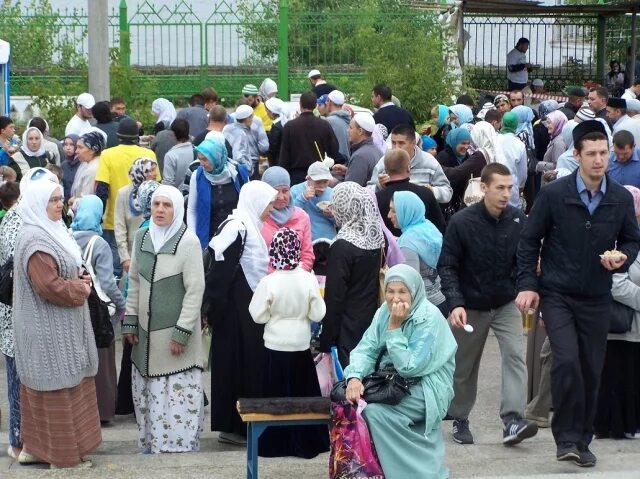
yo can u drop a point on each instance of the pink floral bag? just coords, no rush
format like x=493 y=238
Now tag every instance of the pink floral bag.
x=353 y=455
x=325 y=372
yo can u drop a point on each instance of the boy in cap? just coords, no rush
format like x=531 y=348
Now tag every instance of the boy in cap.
x=79 y=123
x=573 y=222
x=314 y=191
x=502 y=103
x=318 y=85
x=247 y=138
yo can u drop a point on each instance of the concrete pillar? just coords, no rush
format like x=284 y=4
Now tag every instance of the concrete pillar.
x=98 y=30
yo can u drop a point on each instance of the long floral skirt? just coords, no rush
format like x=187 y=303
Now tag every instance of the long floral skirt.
x=169 y=411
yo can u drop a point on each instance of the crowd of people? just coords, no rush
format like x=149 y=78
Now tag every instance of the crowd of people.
x=322 y=228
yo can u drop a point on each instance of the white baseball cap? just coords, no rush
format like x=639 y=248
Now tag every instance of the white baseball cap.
x=337 y=97
x=365 y=121
x=314 y=73
x=537 y=82
x=86 y=100
x=319 y=171
x=243 y=112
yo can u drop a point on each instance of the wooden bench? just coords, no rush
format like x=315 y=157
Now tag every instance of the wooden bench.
x=259 y=414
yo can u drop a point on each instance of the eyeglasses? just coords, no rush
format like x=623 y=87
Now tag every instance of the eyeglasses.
x=247 y=96
x=56 y=199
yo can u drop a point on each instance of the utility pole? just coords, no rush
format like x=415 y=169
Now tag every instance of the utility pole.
x=98 y=30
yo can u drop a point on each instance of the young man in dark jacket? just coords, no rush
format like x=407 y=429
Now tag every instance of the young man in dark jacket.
x=477 y=269
x=573 y=222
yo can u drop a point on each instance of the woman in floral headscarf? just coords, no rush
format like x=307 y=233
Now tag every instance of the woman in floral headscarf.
x=353 y=269
x=286 y=301
x=128 y=212
x=88 y=148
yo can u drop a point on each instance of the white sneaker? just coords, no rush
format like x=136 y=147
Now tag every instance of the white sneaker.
x=25 y=458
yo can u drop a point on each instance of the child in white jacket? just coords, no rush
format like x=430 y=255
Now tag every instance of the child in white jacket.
x=285 y=301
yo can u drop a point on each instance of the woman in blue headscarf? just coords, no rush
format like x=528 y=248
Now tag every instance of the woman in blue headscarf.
x=415 y=338
x=456 y=148
x=213 y=189
x=524 y=131
x=440 y=115
x=420 y=242
x=460 y=115
x=97 y=254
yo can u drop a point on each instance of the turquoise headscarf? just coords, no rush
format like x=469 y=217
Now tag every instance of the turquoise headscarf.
x=423 y=348
x=89 y=214
x=418 y=233
x=443 y=114
x=454 y=138
x=463 y=112
x=216 y=153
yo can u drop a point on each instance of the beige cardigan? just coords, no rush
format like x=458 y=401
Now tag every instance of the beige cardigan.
x=125 y=223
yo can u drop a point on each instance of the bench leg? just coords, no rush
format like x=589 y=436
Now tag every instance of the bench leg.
x=254 y=431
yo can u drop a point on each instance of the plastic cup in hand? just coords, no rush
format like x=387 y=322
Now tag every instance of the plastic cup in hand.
x=528 y=319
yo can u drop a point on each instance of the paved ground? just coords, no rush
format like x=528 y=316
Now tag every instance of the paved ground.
x=117 y=458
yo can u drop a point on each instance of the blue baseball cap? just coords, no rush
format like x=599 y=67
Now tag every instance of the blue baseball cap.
x=323 y=99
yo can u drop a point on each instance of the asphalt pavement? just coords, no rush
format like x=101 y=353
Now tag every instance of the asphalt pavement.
x=118 y=456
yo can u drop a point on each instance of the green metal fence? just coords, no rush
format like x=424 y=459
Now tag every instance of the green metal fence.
x=175 y=51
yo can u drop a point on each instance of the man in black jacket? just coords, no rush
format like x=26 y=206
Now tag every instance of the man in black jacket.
x=305 y=140
x=477 y=269
x=574 y=221
x=397 y=165
x=388 y=113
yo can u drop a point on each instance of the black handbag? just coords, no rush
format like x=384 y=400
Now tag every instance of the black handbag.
x=621 y=318
x=100 y=320
x=6 y=282
x=384 y=386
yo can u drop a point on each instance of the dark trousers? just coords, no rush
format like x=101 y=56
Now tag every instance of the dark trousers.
x=515 y=86
x=577 y=329
x=298 y=175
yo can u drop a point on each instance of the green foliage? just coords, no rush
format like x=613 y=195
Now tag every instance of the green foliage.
x=357 y=43
x=30 y=36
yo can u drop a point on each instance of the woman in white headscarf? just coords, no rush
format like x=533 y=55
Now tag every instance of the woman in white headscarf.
x=31 y=154
x=268 y=89
x=9 y=229
x=353 y=268
x=488 y=150
x=55 y=349
x=239 y=261
x=164 y=110
x=162 y=322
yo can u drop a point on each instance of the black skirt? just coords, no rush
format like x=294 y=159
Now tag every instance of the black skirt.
x=291 y=374
x=619 y=395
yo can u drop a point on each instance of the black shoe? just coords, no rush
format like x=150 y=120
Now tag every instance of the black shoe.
x=518 y=429
x=586 y=457
x=567 y=452
x=461 y=432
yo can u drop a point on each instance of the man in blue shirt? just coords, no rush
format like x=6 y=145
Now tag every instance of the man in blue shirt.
x=624 y=164
x=573 y=222
x=313 y=196
x=7 y=130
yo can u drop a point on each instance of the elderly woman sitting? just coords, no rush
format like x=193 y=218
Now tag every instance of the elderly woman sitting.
x=412 y=334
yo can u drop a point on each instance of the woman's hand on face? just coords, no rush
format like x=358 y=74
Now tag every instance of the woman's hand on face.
x=176 y=348
x=399 y=312
x=131 y=338
x=355 y=390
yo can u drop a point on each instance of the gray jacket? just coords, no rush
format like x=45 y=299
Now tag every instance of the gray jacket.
x=364 y=156
x=197 y=117
x=339 y=121
x=425 y=170
x=247 y=144
x=626 y=290
x=176 y=164
x=102 y=263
